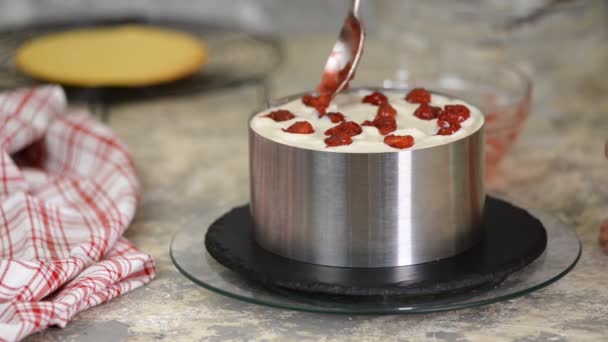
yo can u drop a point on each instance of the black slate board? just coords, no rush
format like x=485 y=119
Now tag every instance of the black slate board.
x=512 y=238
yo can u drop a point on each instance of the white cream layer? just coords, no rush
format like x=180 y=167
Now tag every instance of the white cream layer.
x=370 y=141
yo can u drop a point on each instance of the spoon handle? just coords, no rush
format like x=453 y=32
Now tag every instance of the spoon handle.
x=355 y=8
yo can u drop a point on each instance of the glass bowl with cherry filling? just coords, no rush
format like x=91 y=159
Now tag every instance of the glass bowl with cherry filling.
x=501 y=90
x=374 y=178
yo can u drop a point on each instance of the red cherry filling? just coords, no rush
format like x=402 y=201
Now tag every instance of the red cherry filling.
x=457 y=112
x=343 y=74
x=332 y=79
x=349 y=127
x=426 y=112
x=385 y=110
x=375 y=98
x=447 y=128
x=418 y=95
x=399 y=141
x=368 y=123
x=300 y=127
x=603 y=238
x=336 y=117
x=450 y=118
x=280 y=115
x=320 y=103
x=341 y=138
x=385 y=125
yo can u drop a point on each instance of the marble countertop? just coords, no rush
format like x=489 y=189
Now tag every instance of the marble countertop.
x=191 y=153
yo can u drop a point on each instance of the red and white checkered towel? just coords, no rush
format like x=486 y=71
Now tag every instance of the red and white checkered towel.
x=68 y=191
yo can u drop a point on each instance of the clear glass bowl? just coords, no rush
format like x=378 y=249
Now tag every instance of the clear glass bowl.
x=559 y=44
x=501 y=91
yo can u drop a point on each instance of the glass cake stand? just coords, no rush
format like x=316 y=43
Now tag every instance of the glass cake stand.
x=190 y=257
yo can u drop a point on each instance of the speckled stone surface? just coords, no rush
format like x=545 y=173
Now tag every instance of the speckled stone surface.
x=191 y=153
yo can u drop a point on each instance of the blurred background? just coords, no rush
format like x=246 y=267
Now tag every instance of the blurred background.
x=538 y=35
x=285 y=17
x=507 y=56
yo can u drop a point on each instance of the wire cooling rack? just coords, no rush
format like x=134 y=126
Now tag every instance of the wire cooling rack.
x=236 y=57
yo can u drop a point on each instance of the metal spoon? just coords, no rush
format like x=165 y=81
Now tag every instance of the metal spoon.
x=342 y=62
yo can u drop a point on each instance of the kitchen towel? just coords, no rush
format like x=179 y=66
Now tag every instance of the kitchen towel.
x=68 y=191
